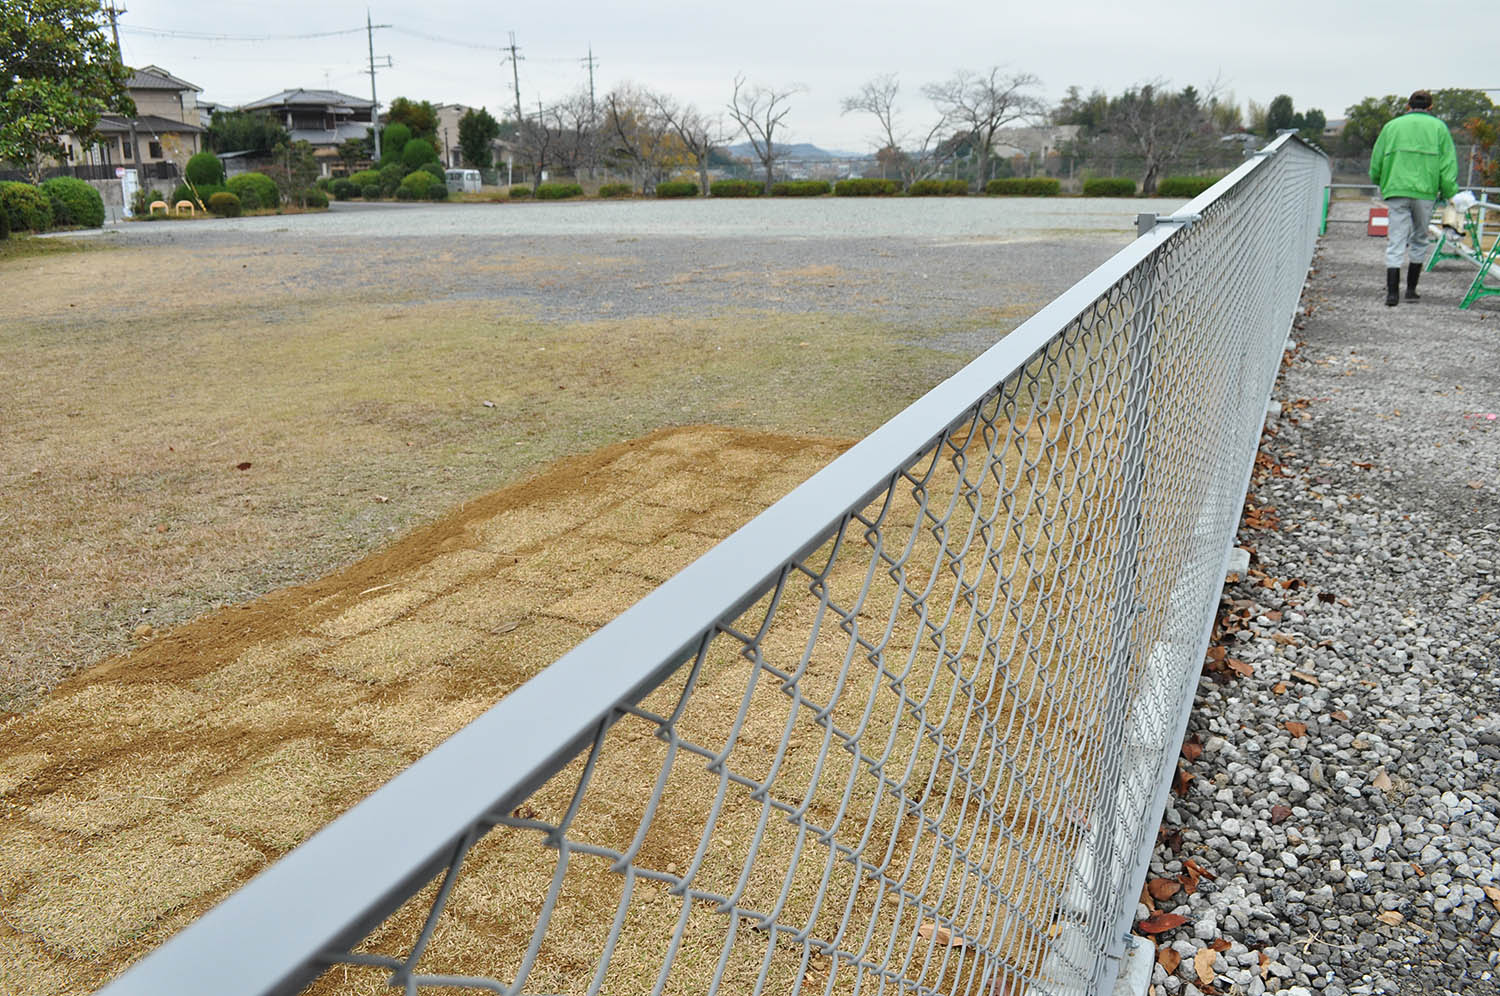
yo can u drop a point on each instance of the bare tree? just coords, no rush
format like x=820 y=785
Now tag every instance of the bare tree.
x=1158 y=125
x=577 y=138
x=895 y=147
x=982 y=104
x=699 y=134
x=759 y=111
x=538 y=142
x=640 y=134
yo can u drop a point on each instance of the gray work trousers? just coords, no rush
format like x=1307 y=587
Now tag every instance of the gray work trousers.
x=1406 y=238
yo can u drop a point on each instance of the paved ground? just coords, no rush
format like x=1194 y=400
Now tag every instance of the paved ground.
x=1340 y=829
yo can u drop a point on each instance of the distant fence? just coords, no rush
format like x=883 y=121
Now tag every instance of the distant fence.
x=910 y=730
x=151 y=171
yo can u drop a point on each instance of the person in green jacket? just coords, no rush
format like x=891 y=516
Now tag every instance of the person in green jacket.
x=1413 y=164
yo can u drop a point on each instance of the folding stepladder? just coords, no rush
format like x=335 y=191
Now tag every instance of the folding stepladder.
x=1469 y=245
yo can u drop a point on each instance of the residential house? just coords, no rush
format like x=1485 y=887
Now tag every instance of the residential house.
x=448 y=117
x=166 y=125
x=325 y=119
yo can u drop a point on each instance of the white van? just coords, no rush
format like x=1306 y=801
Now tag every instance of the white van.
x=463 y=181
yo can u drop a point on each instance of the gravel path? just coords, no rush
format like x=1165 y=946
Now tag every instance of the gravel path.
x=1362 y=856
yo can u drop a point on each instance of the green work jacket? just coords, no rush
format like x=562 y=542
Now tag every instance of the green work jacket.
x=1414 y=157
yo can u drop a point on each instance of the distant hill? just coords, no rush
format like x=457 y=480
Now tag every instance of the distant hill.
x=800 y=150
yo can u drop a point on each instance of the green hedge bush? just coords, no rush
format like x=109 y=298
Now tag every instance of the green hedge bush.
x=184 y=192
x=1109 y=186
x=315 y=198
x=344 y=189
x=324 y=183
x=393 y=141
x=558 y=191
x=4 y=226
x=938 y=188
x=1021 y=186
x=29 y=209
x=677 y=188
x=415 y=185
x=370 y=192
x=365 y=177
x=616 y=190
x=870 y=186
x=205 y=170
x=436 y=169
x=391 y=175
x=519 y=192
x=437 y=192
x=735 y=188
x=74 y=202
x=224 y=204
x=801 y=188
x=1185 y=186
x=257 y=187
x=416 y=152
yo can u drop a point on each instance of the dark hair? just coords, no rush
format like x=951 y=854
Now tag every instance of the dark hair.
x=1420 y=100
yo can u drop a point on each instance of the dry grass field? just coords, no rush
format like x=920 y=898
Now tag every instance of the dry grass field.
x=269 y=534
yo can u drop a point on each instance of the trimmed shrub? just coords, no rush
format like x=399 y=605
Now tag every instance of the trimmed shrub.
x=1182 y=186
x=436 y=169
x=261 y=186
x=205 y=170
x=344 y=189
x=1017 y=186
x=4 y=226
x=870 y=186
x=616 y=190
x=74 y=202
x=391 y=176
x=415 y=186
x=801 y=188
x=519 y=192
x=28 y=208
x=416 y=152
x=224 y=204
x=1109 y=186
x=678 y=188
x=734 y=188
x=371 y=192
x=324 y=183
x=183 y=192
x=437 y=192
x=558 y=191
x=938 y=188
x=365 y=177
x=393 y=140
x=315 y=198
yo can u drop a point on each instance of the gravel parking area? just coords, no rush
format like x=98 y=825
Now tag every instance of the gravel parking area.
x=1338 y=833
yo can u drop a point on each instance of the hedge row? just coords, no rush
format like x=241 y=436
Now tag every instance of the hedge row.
x=558 y=191
x=938 y=188
x=58 y=202
x=1185 y=186
x=736 y=188
x=866 y=187
x=616 y=190
x=801 y=188
x=1036 y=186
x=677 y=188
x=1109 y=186
x=255 y=191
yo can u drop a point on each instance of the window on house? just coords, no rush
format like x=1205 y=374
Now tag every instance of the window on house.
x=126 y=152
x=154 y=150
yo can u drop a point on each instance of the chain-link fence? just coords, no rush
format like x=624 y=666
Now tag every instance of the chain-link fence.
x=910 y=730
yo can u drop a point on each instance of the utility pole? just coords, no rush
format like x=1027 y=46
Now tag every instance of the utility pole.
x=374 y=101
x=515 y=75
x=591 y=62
x=135 y=145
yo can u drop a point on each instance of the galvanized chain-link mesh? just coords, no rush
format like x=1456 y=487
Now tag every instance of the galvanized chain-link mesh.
x=928 y=755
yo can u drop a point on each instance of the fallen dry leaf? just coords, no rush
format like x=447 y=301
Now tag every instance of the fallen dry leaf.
x=1163 y=888
x=1280 y=814
x=1311 y=679
x=1381 y=781
x=1191 y=750
x=1240 y=667
x=1265 y=964
x=1279 y=688
x=1493 y=891
x=1203 y=964
x=1168 y=959
x=1161 y=923
x=1339 y=715
x=1221 y=944
x=1391 y=917
x=1295 y=728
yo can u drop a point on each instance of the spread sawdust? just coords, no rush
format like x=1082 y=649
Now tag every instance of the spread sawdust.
x=147 y=788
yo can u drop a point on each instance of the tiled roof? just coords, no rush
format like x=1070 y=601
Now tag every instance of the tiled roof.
x=112 y=124
x=309 y=98
x=157 y=78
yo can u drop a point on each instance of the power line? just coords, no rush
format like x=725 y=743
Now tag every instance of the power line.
x=204 y=36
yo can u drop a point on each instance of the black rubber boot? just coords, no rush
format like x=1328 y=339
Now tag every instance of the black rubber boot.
x=1413 y=271
x=1392 y=286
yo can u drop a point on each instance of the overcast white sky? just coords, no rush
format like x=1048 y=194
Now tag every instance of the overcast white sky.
x=1326 y=55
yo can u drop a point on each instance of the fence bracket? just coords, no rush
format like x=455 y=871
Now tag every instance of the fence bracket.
x=1145 y=221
